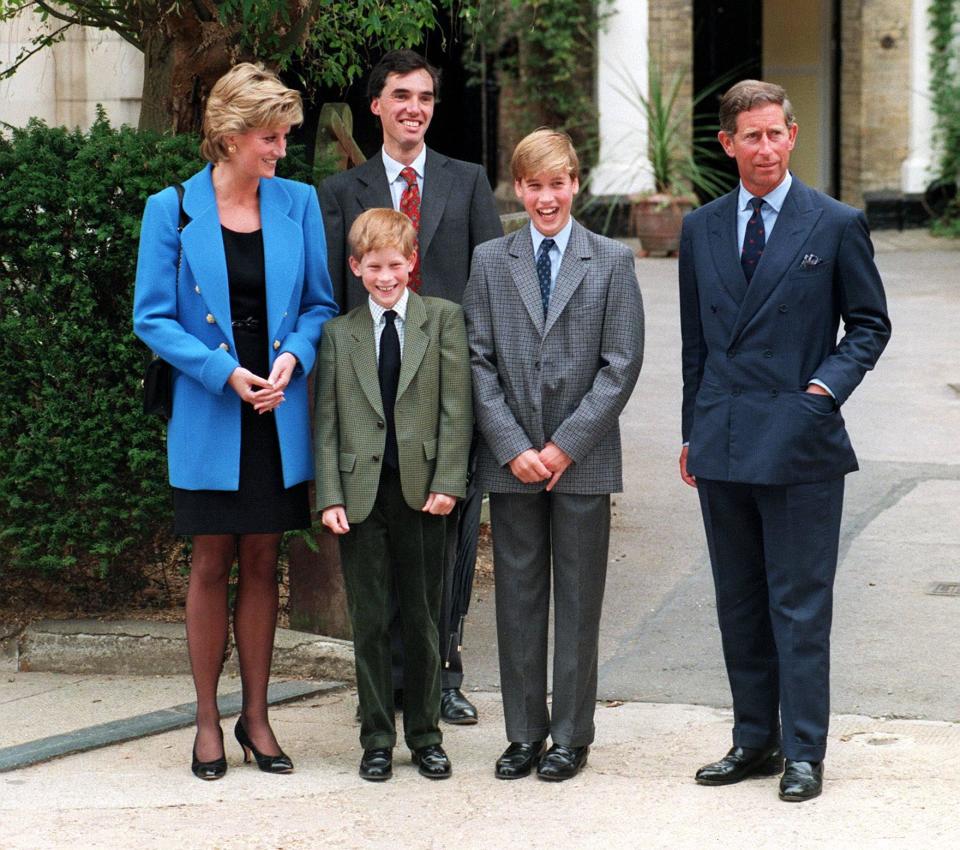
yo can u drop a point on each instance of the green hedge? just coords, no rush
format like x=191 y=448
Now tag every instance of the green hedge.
x=83 y=483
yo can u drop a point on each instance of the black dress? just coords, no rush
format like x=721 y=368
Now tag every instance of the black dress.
x=262 y=505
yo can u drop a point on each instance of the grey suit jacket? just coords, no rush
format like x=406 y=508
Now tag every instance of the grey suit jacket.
x=457 y=213
x=564 y=377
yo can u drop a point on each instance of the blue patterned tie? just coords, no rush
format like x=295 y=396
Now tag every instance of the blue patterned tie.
x=543 y=272
x=753 y=240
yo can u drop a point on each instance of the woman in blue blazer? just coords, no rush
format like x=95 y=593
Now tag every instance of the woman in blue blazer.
x=240 y=322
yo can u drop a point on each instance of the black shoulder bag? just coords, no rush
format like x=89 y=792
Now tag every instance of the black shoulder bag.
x=158 y=377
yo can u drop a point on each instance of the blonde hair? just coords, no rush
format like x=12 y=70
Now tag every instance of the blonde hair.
x=378 y=228
x=546 y=150
x=248 y=97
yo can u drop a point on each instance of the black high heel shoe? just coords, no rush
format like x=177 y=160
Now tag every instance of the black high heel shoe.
x=268 y=764
x=209 y=770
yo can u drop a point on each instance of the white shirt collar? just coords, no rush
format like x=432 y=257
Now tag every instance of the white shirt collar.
x=400 y=308
x=393 y=168
x=561 y=239
x=774 y=197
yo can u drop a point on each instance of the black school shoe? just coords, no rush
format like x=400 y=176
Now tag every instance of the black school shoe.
x=560 y=763
x=432 y=762
x=377 y=764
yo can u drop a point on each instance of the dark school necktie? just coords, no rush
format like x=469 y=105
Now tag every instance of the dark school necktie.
x=388 y=371
x=753 y=241
x=543 y=272
x=410 y=207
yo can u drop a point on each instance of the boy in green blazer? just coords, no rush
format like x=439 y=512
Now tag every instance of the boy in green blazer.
x=393 y=424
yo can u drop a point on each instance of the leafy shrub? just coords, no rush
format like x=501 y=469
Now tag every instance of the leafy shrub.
x=83 y=480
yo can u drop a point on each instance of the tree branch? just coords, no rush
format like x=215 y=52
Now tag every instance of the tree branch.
x=39 y=44
x=104 y=16
x=298 y=30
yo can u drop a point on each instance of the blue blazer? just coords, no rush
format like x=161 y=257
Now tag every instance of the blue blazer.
x=750 y=351
x=189 y=325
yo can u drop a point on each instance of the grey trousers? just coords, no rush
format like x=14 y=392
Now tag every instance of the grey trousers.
x=533 y=532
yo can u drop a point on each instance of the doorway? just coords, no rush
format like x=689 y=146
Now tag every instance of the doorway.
x=790 y=42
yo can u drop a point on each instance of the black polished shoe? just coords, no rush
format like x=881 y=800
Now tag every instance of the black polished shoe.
x=209 y=770
x=740 y=763
x=519 y=759
x=560 y=763
x=433 y=762
x=377 y=764
x=268 y=764
x=455 y=708
x=801 y=780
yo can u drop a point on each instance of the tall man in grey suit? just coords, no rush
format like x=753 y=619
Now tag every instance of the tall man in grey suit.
x=555 y=327
x=766 y=274
x=452 y=207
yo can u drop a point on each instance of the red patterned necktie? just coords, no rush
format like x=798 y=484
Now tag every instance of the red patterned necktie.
x=410 y=207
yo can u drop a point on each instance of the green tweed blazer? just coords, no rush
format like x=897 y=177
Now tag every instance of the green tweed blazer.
x=433 y=412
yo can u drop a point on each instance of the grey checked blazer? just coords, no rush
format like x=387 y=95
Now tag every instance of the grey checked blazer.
x=566 y=378
x=433 y=412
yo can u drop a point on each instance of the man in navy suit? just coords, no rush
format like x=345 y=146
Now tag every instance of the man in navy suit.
x=766 y=274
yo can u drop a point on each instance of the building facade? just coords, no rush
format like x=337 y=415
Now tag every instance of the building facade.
x=857 y=72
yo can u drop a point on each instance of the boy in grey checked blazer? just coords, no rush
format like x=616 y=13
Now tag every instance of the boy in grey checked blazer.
x=555 y=326
x=391 y=515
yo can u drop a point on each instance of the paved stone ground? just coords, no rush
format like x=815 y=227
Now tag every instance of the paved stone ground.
x=890 y=784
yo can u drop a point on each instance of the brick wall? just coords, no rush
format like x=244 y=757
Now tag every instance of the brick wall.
x=874 y=96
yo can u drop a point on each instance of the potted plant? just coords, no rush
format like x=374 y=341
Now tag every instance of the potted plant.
x=677 y=157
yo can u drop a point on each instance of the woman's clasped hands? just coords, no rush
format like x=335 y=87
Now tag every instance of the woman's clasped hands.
x=264 y=394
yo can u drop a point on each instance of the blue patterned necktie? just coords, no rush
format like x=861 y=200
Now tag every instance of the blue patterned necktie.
x=544 y=272
x=753 y=241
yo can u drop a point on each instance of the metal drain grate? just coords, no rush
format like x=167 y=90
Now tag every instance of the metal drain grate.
x=944 y=588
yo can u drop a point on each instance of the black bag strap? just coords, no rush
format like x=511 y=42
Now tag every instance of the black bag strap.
x=184 y=219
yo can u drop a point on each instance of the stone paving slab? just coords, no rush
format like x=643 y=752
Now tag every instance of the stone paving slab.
x=890 y=784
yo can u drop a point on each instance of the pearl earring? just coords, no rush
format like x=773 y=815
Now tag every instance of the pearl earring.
x=231 y=148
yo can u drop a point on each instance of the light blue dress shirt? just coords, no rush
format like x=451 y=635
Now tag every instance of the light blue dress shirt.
x=556 y=252
x=773 y=202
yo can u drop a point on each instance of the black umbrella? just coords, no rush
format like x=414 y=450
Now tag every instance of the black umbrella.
x=460 y=587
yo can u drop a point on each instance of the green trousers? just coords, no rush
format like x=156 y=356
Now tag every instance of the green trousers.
x=395 y=544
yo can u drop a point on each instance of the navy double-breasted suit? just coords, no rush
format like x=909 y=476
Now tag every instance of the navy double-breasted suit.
x=186 y=320
x=769 y=458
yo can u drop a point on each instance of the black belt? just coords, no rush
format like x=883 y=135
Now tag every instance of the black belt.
x=248 y=324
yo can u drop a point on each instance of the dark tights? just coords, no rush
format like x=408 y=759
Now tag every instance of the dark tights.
x=254 y=623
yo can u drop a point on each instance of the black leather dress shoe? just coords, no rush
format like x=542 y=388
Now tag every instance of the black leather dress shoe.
x=455 y=708
x=519 y=759
x=433 y=762
x=740 y=763
x=801 y=780
x=377 y=764
x=560 y=763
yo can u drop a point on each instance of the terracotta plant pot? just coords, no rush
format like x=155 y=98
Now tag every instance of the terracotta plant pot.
x=656 y=221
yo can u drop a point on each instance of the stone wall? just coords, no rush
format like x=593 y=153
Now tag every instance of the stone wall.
x=874 y=96
x=63 y=84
